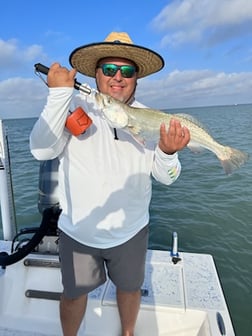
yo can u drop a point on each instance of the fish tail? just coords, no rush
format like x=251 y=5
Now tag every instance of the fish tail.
x=232 y=159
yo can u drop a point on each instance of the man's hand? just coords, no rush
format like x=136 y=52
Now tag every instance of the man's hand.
x=175 y=139
x=59 y=76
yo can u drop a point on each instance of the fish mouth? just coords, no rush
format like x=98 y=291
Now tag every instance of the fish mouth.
x=98 y=98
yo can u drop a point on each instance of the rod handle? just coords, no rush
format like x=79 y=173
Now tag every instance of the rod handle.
x=41 y=68
x=78 y=86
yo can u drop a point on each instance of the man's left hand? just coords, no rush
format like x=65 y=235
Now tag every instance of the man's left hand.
x=175 y=138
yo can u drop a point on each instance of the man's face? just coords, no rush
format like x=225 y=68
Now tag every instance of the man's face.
x=117 y=86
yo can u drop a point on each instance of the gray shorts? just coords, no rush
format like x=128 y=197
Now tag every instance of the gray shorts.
x=84 y=268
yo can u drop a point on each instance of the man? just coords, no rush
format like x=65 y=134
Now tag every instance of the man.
x=104 y=177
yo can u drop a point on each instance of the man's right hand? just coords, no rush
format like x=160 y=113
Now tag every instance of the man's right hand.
x=59 y=76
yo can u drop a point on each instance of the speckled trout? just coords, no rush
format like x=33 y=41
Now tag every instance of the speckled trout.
x=144 y=124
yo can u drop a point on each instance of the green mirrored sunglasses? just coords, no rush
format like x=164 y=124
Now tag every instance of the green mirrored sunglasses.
x=127 y=71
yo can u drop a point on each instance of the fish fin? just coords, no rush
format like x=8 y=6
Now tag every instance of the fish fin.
x=139 y=139
x=191 y=119
x=134 y=129
x=135 y=132
x=233 y=159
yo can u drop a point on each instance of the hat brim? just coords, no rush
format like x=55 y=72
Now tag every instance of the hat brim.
x=84 y=59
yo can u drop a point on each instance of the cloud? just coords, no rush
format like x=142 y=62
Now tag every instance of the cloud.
x=206 y=22
x=192 y=88
x=14 y=57
x=21 y=98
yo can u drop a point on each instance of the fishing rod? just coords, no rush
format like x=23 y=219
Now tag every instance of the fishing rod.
x=40 y=68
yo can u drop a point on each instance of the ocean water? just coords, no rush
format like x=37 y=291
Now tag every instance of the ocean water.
x=211 y=212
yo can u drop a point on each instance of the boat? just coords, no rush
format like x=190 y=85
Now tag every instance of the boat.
x=181 y=294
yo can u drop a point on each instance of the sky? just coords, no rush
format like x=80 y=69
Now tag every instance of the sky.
x=206 y=45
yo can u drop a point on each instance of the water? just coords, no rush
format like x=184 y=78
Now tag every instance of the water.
x=211 y=212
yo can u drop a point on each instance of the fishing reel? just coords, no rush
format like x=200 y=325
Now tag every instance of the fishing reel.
x=78 y=121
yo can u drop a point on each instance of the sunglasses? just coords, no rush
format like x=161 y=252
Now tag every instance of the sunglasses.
x=127 y=71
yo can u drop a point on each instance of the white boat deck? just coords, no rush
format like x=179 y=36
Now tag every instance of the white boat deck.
x=180 y=299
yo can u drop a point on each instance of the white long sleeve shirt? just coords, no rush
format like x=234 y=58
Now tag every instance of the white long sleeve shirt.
x=104 y=184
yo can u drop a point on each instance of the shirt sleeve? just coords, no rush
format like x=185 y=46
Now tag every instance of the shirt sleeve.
x=166 y=168
x=48 y=136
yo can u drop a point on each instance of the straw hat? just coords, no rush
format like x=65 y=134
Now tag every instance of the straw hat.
x=85 y=58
